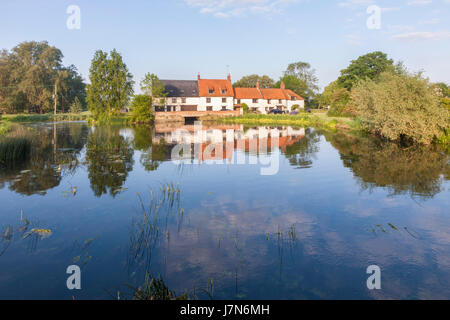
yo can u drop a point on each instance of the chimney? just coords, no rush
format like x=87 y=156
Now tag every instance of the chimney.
x=257 y=84
x=198 y=77
x=282 y=86
x=229 y=77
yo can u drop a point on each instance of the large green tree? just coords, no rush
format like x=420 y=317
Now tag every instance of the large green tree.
x=369 y=66
x=111 y=84
x=28 y=75
x=293 y=83
x=251 y=80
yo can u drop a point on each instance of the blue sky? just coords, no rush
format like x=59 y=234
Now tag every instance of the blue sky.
x=176 y=39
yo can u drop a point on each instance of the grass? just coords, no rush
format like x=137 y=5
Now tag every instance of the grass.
x=317 y=120
x=48 y=117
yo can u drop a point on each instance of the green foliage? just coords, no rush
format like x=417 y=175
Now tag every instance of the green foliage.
x=244 y=107
x=369 y=66
x=141 y=107
x=153 y=87
x=76 y=106
x=295 y=84
x=28 y=74
x=5 y=127
x=111 y=84
x=445 y=102
x=251 y=80
x=400 y=107
x=307 y=86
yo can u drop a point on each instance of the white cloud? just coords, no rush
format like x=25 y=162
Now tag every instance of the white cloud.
x=234 y=8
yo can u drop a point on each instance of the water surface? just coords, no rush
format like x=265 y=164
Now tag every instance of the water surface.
x=337 y=204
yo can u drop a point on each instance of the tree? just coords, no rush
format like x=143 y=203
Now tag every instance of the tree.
x=369 y=66
x=307 y=76
x=295 y=84
x=28 y=74
x=76 y=106
x=141 y=107
x=111 y=84
x=251 y=80
x=153 y=87
x=401 y=107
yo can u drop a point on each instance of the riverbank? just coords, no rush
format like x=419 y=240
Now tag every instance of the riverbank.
x=316 y=120
x=47 y=117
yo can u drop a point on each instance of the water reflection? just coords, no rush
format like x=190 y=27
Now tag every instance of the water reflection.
x=55 y=152
x=417 y=171
x=110 y=158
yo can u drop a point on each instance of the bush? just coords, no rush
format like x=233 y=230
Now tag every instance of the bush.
x=295 y=107
x=142 y=109
x=400 y=107
x=76 y=106
x=244 y=107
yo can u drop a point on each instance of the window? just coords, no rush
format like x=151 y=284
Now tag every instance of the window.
x=255 y=100
x=224 y=108
x=183 y=100
x=174 y=100
x=268 y=101
x=208 y=100
x=224 y=91
x=280 y=101
x=293 y=98
x=224 y=100
x=211 y=91
x=209 y=108
x=238 y=101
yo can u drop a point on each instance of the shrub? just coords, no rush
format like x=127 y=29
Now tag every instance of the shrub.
x=245 y=107
x=295 y=107
x=76 y=106
x=400 y=107
x=142 y=109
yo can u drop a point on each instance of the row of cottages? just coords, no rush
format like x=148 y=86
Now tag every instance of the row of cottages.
x=219 y=95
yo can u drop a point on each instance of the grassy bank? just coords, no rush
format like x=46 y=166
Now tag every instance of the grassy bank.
x=317 y=120
x=48 y=117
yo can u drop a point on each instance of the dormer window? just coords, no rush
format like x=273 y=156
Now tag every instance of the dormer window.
x=293 y=98
x=224 y=91
x=211 y=91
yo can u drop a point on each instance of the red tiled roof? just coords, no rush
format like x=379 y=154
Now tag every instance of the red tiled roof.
x=247 y=93
x=291 y=93
x=274 y=94
x=205 y=85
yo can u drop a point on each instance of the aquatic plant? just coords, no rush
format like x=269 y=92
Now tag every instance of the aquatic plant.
x=14 y=149
x=156 y=289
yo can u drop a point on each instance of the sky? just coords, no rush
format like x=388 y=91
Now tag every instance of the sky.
x=177 y=39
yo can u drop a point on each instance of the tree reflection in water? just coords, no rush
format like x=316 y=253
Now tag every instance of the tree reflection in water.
x=153 y=154
x=110 y=159
x=418 y=170
x=54 y=153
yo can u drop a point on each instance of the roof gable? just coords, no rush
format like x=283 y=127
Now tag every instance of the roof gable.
x=215 y=88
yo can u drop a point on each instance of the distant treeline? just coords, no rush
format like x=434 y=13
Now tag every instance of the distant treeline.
x=31 y=73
